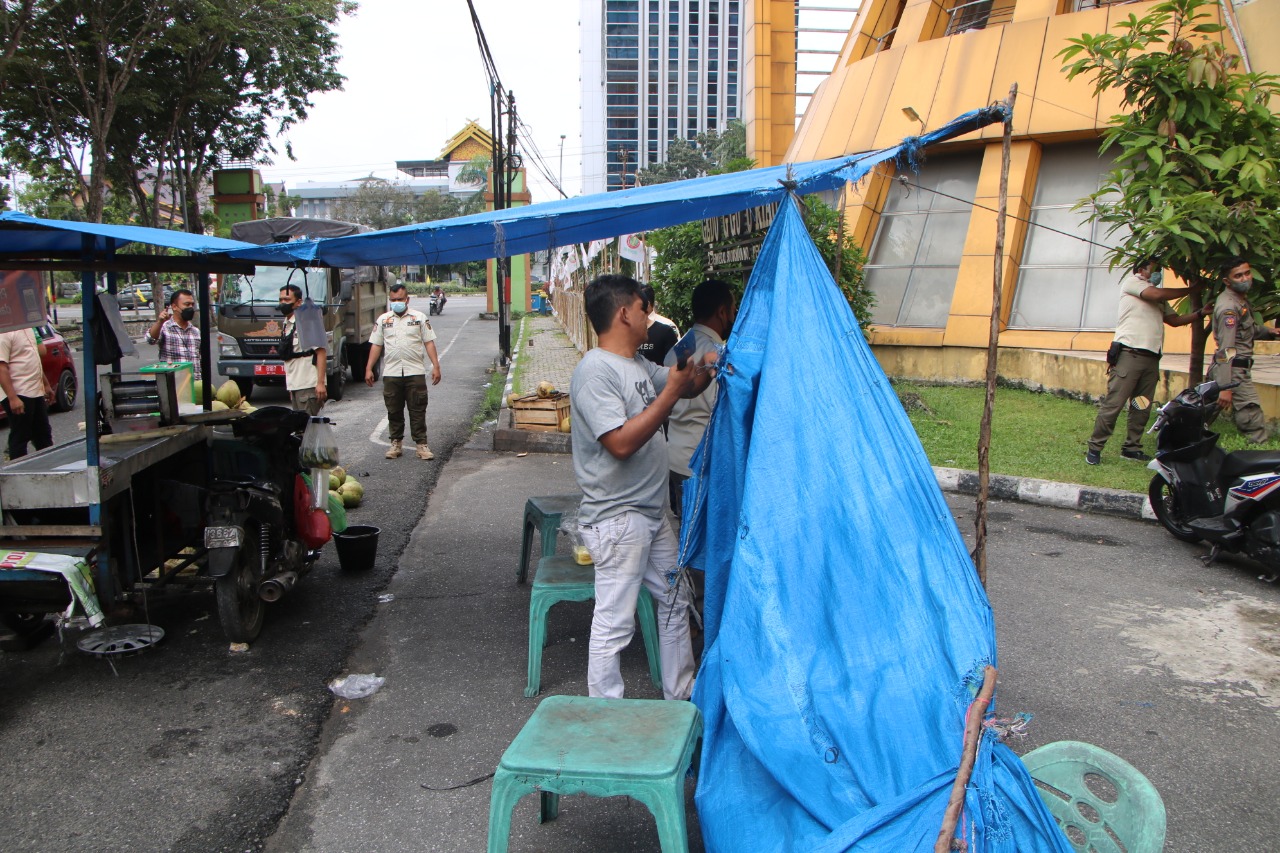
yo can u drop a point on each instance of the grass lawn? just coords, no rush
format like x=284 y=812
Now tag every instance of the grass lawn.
x=1033 y=435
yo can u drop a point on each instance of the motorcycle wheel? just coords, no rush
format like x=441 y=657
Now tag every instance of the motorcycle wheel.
x=240 y=609
x=1164 y=503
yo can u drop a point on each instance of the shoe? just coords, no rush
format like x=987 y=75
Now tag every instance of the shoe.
x=395 y=450
x=1136 y=455
x=1093 y=457
x=424 y=452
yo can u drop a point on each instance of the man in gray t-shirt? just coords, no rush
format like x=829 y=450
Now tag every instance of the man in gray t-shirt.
x=619 y=401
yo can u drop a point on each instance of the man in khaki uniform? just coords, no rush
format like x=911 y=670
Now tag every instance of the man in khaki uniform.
x=1235 y=329
x=1134 y=357
x=25 y=391
x=408 y=341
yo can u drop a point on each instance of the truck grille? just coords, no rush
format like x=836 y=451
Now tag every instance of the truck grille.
x=260 y=347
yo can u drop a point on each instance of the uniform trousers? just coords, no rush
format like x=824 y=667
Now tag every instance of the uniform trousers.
x=1246 y=406
x=631 y=549
x=399 y=392
x=1133 y=375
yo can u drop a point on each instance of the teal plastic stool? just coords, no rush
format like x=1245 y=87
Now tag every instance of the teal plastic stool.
x=1090 y=816
x=639 y=748
x=542 y=514
x=562 y=579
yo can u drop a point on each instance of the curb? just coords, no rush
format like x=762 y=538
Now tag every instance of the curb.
x=1049 y=493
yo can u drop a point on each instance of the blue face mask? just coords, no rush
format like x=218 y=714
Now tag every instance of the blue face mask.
x=399 y=307
x=1155 y=278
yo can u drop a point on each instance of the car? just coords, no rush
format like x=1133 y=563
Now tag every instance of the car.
x=131 y=297
x=59 y=368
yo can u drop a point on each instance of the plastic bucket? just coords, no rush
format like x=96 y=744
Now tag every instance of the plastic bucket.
x=357 y=547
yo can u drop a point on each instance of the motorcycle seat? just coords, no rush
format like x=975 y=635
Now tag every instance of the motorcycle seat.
x=1244 y=462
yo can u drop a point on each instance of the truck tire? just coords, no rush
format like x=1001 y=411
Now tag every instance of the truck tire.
x=245 y=386
x=338 y=379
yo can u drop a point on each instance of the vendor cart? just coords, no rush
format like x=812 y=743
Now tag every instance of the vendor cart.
x=127 y=507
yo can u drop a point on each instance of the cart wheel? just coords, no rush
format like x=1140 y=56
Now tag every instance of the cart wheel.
x=240 y=609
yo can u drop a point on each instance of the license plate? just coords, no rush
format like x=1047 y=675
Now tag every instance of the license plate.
x=223 y=537
x=268 y=370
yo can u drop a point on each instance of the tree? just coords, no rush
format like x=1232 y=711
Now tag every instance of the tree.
x=377 y=203
x=1195 y=180
x=682 y=263
x=708 y=153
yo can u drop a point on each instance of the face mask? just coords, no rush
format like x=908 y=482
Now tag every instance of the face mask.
x=187 y=313
x=1239 y=286
x=286 y=308
x=399 y=307
x=1155 y=278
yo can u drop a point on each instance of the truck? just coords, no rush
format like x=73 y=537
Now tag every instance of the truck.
x=248 y=318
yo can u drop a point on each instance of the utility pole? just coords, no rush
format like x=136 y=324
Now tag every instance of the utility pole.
x=560 y=177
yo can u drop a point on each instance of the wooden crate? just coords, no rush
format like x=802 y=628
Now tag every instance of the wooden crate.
x=540 y=414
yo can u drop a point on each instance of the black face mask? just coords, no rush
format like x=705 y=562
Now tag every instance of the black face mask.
x=187 y=313
x=286 y=308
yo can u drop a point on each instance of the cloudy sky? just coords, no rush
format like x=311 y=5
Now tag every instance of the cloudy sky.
x=415 y=77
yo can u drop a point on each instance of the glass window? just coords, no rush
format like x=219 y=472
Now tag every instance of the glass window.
x=915 y=257
x=1064 y=281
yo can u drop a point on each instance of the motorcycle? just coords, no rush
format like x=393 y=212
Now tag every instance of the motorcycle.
x=261 y=534
x=1202 y=493
x=437 y=303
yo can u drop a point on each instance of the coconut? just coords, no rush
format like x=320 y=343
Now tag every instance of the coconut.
x=334 y=482
x=565 y=426
x=511 y=400
x=352 y=493
x=546 y=389
x=229 y=393
x=339 y=472
x=336 y=496
x=219 y=406
x=197 y=389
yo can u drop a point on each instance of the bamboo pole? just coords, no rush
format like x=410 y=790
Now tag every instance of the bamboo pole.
x=993 y=347
x=972 y=733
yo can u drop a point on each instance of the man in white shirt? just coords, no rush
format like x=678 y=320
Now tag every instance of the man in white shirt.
x=1134 y=357
x=25 y=391
x=404 y=339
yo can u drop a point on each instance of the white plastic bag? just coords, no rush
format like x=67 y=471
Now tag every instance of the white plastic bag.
x=357 y=686
x=309 y=318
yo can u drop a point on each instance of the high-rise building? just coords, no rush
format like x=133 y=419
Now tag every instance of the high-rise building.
x=654 y=71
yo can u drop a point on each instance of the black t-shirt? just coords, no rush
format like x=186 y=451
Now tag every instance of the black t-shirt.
x=661 y=339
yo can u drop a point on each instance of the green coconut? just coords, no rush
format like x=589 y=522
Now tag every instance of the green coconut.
x=229 y=394
x=339 y=472
x=352 y=493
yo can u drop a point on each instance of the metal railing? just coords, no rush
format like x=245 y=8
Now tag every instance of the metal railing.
x=977 y=15
x=885 y=41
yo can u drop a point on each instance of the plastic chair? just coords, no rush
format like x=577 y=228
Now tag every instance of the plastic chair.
x=639 y=748
x=542 y=514
x=562 y=579
x=1098 y=798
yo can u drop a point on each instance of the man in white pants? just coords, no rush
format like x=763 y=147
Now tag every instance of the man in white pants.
x=619 y=401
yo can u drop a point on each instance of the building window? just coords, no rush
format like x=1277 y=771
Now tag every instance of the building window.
x=915 y=257
x=1064 y=282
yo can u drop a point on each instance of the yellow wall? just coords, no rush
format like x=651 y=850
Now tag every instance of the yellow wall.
x=860 y=107
x=768 y=75
x=1259 y=22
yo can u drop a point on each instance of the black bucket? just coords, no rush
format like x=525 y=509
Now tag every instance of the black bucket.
x=357 y=547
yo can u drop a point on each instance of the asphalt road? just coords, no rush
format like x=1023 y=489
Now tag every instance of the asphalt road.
x=193 y=747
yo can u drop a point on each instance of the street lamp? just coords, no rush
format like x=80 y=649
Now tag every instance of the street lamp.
x=561 y=178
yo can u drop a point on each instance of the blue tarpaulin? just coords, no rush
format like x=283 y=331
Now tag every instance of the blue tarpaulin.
x=846 y=630
x=538 y=227
x=31 y=237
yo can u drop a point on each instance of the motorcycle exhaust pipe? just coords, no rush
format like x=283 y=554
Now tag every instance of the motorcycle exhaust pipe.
x=274 y=588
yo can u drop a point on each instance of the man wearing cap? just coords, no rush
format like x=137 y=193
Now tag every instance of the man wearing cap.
x=1235 y=329
x=406 y=338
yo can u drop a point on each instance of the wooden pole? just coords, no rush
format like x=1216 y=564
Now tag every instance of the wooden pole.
x=972 y=733
x=993 y=347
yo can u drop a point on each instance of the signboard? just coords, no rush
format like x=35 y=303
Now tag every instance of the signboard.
x=22 y=300
x=733 y=242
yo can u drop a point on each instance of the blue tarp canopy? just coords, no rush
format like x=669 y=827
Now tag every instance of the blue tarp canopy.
x=23 y=236
x=846 y=630
x=543 y=226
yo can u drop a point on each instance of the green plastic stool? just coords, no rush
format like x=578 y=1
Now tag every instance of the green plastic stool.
x=562 y=579
x=1090 y=821
x=542 y=514
x=639 y=748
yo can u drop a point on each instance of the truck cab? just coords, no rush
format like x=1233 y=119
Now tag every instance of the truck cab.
x=250 y=324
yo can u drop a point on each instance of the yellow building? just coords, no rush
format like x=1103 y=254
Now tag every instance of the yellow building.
x=930 y=240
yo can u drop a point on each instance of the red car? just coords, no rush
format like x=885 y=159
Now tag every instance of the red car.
x=59 y=369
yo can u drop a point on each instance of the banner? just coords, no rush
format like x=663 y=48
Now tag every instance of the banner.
x=22 y=300
x=631 y=247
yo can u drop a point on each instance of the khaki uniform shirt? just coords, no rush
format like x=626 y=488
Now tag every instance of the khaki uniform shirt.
x=1234 y=325
x=18 y=350
x=403 y=338
x=1140 y=324
x=300 y=373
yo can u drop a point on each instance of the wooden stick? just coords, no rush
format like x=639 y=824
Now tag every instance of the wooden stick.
x=972 y=733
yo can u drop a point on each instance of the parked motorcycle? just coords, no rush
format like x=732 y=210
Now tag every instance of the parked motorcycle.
x=1202 y=493
x=262 y=534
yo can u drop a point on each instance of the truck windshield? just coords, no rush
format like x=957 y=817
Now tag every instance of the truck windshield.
x=263 y=289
